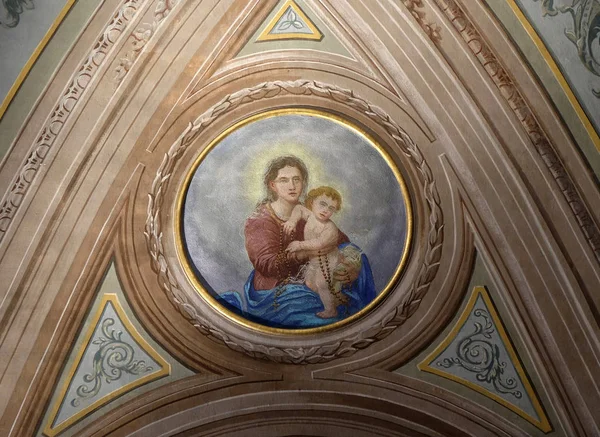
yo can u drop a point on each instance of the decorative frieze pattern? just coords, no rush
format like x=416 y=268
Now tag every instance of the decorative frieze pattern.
x=537 y=136
x=431 y=29
x=111 y=358
x=141 y=36
x=585 y=15
x=12 y=10
x=478 y=354
x=114 y=358
x=62 y=111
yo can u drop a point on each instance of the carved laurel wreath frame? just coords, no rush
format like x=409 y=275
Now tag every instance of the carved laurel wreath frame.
x=295 y=354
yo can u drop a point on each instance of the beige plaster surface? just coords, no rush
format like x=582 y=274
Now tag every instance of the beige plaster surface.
x=489 y=166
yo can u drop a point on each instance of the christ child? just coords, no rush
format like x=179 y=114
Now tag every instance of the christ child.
x=320 y=242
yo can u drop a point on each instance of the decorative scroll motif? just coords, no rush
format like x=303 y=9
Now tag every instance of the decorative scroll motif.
x=297 y=355
x=59 y=116
x=586 y=30
x=290 y=23
x=113 y=358
x=142 y=35
x=536 y=134
x=432 y=30
x=477 y=353
x=11 y=11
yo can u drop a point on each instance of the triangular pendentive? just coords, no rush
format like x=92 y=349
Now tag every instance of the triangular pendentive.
x=478 y=354
x=114 y=360
x=112 y=356
x=290 y=22
x=332 y=38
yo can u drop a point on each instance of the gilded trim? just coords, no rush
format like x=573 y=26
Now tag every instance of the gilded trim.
x=265 y=35
x=33 y=58
x=424 y=366
x=539 y=43
x=212 y=301
x=165 y=368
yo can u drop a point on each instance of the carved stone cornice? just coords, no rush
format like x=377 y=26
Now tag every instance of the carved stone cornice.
x=511 y=93
x=432 y=30
x=325 y=350
x=141 y=36
x=67 y=103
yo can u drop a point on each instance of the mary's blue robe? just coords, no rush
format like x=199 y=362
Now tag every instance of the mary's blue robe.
x=295 y=305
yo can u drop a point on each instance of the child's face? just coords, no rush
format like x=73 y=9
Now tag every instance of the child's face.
x=323 y=207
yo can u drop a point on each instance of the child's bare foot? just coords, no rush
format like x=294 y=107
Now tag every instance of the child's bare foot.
x=327 y=313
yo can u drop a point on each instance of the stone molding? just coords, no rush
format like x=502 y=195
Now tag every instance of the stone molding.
x=141 y=36
x=66 y=105
x=513 y=96
x=431 y=29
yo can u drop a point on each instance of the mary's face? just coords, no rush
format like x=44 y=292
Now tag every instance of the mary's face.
x=288 y=184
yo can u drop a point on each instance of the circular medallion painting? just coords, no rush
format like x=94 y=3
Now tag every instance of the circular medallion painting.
x=294 y=220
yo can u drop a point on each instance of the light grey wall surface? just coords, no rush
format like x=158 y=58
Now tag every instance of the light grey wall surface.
x=580 y=81
x=18 y=43
x=228 y=185
x=566 y=39
x=43 y=69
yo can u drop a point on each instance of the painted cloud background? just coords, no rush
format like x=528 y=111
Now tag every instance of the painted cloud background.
x=227 y=186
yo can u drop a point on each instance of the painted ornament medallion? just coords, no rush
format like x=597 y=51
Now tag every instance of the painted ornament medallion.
x=294 y=221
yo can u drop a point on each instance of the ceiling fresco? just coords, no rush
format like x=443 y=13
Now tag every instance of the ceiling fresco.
x=300 y=217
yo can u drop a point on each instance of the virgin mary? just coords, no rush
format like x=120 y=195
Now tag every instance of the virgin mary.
x=274 y=294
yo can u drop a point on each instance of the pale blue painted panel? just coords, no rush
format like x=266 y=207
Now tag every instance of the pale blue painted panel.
x=20 y=34
x=567 y=29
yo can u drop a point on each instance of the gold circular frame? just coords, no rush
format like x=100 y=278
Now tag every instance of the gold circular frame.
x=238 y=319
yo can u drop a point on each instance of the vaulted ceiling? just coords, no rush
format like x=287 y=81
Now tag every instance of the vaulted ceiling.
x=484 y=114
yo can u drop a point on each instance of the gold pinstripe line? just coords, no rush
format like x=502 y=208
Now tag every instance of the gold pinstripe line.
x=539 y=43
x=36 y=53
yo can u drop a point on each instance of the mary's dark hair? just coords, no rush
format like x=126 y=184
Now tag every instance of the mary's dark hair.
x=277 y=164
